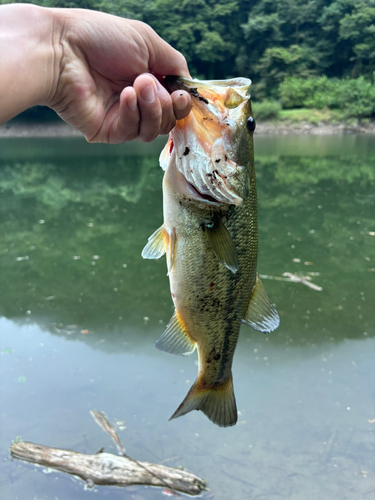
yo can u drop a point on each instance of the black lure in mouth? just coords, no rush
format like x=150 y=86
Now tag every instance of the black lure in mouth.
x=173 y=83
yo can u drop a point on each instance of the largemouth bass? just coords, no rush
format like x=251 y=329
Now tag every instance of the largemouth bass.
x=210 y=239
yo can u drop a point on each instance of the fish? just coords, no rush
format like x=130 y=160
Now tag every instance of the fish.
x=210 y=239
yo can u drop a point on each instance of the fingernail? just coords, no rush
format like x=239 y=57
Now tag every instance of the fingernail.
x=132 y=102
x=181 y=102
x=148 y=93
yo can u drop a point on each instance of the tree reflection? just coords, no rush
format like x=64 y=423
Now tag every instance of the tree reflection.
x=72 y=232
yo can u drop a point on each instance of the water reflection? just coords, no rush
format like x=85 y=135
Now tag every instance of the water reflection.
x=73 y=220
x=73 y=226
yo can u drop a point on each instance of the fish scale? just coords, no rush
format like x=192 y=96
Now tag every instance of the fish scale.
x=210 y=309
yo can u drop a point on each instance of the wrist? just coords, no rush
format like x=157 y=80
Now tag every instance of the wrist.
x=29 y=63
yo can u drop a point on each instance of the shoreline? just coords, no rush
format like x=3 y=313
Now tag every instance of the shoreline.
x=45 y=130
x=13 y=130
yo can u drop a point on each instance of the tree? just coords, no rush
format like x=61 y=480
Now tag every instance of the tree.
x=283 y=38
x=359 y=28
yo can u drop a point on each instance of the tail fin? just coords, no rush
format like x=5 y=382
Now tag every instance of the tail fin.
x=217 y=403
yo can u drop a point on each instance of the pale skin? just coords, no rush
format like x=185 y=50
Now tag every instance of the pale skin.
x=102 y=74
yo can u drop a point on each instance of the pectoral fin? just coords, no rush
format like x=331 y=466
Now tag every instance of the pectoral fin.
x=171 y=248
x=260 y=314
x=222 y=244
x=157 y=244
x=176 y=339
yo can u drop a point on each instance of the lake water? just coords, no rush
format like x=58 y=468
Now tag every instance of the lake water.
x=80 y=311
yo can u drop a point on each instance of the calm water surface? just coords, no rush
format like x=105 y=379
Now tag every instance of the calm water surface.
x=80 y=311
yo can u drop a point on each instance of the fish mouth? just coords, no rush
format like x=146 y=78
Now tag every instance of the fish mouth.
x=178 y=182
x=204 y=143
x=205 y=198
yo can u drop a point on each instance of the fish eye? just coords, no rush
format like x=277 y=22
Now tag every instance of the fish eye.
x=250 y=124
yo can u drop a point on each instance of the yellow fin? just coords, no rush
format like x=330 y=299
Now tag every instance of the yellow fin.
x=260 y=314
x=222 y=244
x=171 y=247
x=176 y=339
x=157 y=244
x=217 y=403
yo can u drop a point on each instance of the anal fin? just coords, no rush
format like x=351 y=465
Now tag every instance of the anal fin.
x=260 y=314
x=176 y=339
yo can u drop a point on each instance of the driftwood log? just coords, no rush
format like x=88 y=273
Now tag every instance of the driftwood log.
x=108 y=469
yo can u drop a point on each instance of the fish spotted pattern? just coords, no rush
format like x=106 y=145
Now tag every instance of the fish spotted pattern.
x=210 y=239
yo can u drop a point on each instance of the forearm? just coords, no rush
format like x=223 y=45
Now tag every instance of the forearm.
x=28 y=59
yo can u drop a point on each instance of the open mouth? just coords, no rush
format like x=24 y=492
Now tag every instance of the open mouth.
x=202 y=142
x=203 y=197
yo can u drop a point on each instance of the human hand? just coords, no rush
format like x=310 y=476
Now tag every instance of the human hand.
x=108 y=86
x=102 y=74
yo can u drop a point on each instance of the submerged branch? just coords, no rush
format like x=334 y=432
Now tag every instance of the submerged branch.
x=101 y=419
x=294 y=278
x=108 y=469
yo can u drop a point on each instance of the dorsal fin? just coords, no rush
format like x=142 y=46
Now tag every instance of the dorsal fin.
x=222 y=244
x=260 y=314
x=176 y=339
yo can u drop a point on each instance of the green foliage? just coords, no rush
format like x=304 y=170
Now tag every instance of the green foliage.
x=205 y=31
x=359 y=28
x=282 y=38
x=355 y=97
x=298 y=115
x=279 y=62
x=266 y=110
x=321 y=41
x=294 y=91
x=349 y=25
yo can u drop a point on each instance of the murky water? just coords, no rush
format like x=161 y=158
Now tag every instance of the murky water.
x=81 y=310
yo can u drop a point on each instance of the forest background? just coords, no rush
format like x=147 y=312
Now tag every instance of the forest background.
x=300 y=54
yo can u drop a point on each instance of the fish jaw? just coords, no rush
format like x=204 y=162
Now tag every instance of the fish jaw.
x=204 y=145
